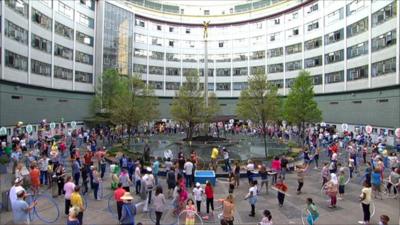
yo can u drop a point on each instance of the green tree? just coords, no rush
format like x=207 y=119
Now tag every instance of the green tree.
x=260 y=103
x=300 y=106
x=188 y=106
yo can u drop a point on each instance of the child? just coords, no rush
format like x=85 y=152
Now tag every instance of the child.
x=267 y=219
x=313 y=213
x=282 y=189
x=197 y=193
x=190 y=213
x=342 y=183
x=231 y=182
x=384 y=220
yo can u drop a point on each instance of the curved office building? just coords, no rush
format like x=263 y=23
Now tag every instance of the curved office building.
x=350 y=48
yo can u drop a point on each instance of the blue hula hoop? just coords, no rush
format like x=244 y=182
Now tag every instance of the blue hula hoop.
x=110 y=199
x=129 y=214
x=34 y=212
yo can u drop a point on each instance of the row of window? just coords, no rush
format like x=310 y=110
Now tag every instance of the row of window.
x=86 y=3
x=19 y=62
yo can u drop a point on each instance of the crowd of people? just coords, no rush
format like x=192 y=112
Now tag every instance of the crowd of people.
x=44 y=162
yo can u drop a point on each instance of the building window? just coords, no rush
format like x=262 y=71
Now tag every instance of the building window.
x=313 y=62
x=292 y=49
x=140 y=38
x=384 y=41
x=238 y=57
x=275 y=52
x=189 y=58
x=140 y=23
x=157 y=55
x=171 y=29
x=172 y=85
x=63 y=52
x=275 y=68
x=357 y=27
x=223 y=86
x=156 y=70
x=140 y=53
x=334 y=57
x=221 y=44
x=334 y=77
x=62 y=73
x=313 y=25
x=241 y=71
x=158 y=27
x=156 y=41
x=206 y=12
x=83 y=58
x=64 y=30
x=173 y=57
x=41 y=19
x=313 y=43
x=19 y=6
x=65 y=10
x=157 y=85
x=139 y=68
x=257 y=69
x=237 y=86
x=187 y=30
x=83 y=77
x=85 y=20
x=171 y=43
x=258 y=55
x=88 y=3
x=357 y=73
x=210 y=72
x=334 y=16
x=84 y=39
x=188 y=71
x=334 y=37
x=289 y=82
x=210 y=86
x=276 y=83
x=384 y=14
x=41 y=44
x=40 y=68
x=354 y=6
x=357 y=50
x=16 y=61
x=294 y=65
x=383 y=67
x=16 y=32
x=226 y=72
x=317 y=79
x=313 y=8
x=171 y=71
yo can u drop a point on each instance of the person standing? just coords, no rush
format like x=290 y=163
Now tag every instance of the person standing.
x=148 y=180
x=96 y=182
x=228 y=210
x=365 y=198
x=68 y=189
x=21 y=209
x=43 y=165
x=73 y=216
x=376 y=181
x=125 y=180
x=15 y=189
x=138 y=178
x=60 y=174
x=264 y=177
x=156 y=168
x=276 y=168
x=300 y=170
x=35 y=180
x=76 y=170
x=312 y=210
x=252 y=197
x=284 y=163
x=197 y=193
x=332 y=189
x=128 y=210
x=237 y=174
x=159 y=204
x=325 y=173
x=190 y=213
x=226 y=160
x=188 y=167
x=77 y=202
x=118 y=193
x=214 y=158
x=281 y=188
x=171 y=180
x=342 y=183
x=209 y=197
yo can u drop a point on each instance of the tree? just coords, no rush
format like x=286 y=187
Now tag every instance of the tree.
x=134 y=104
x=188 y=106
x=300 y=106
x=260 y=103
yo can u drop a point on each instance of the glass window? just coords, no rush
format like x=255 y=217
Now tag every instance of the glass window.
x=289 y=82
x=313 y=62
x=275 y=52
x=383 y=67
x=357 y=27
x=41 y=44
x=334 y=77
x=40 y=68
x=357 y=50
x=334 y=16
x=65 y=10
x=171 y=43
x=357 y=73
x=88 y=3
x=156 y=55
x=140 y=23
x=139 y=68
x=312 y=8
x=275 y=68
x=62 y=73
x=210 y=72
x=313 y=25
x=83 y=58
x=173 y=57
x=16 y=61
x=317 y=79
x=189 y=58
x=171 y=71
x=334 y=37
x=157 y=70
x=172 y=85
x=294 y=65
x=223 y=86
x=187 y=71
x=140 y=53
x=16 y=32
x=226 y=72
x=274 y=37
x=157 y=41
x=241 y=71
x=210 y=86
x=313 y=43
x=237 y=57
x=41 y=19
x=384 y=41
x=84 y=38
x=384 y=14
x=354 y=6
x=64 y=30
x=19 y=6
x=85 y=20
x=292 y=32
x=157 y=85
x=83 y=77
x=257 y=55
x=257 y=69
x=292 y=49
x=237 y=86
x=334 y=57
x=63 y=52
x=276 y=83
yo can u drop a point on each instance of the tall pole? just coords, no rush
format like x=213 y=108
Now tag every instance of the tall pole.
x=205 y=36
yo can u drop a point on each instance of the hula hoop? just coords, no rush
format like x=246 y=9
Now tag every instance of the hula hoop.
x=304 y=212
x=348 y=176
x=85 y=201
x=101 y=188
x=36 y=213
x=195 y=213
x=129 y=214
x=323 y=191
x=373 y=208
x=386 y=193
x=110 y=209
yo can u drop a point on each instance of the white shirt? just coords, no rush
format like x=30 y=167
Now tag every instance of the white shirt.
x=226 y=155
x=253 y=190
x=250 y=167
x=188 y=168
x=137 y=173
x=197 y=192
x=334 y=156
x=13 y=193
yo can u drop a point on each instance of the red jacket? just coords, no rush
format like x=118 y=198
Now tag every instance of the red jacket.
x=209 y=192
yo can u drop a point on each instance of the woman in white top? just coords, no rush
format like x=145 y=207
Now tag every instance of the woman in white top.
x=252 y=196
x=365 y=199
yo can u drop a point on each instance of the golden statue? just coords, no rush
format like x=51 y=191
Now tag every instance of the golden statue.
x=205 y=25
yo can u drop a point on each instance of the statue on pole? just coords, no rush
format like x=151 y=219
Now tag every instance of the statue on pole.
x=205 y=25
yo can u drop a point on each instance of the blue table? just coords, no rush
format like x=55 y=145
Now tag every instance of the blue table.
x=202 y=176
